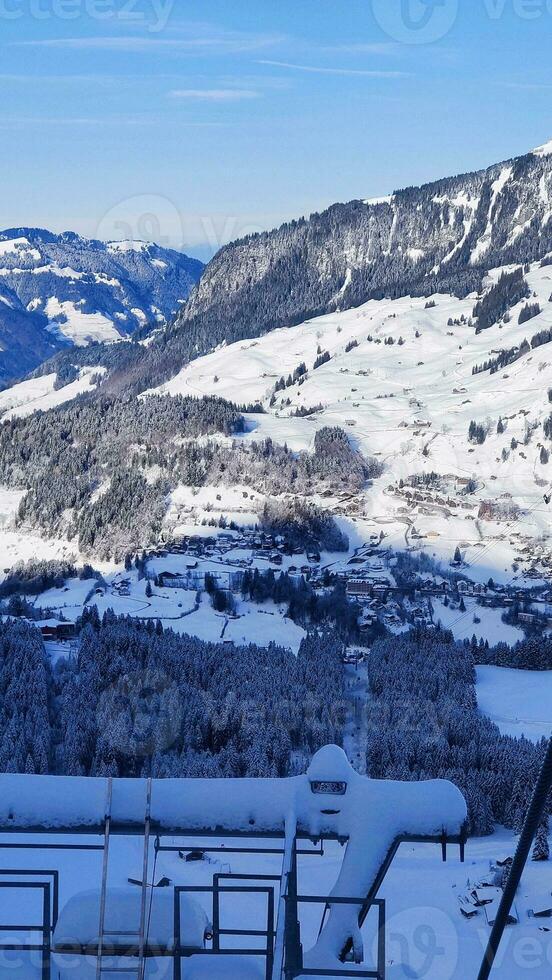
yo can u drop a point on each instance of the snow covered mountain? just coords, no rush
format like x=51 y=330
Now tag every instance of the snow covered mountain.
x=57 y=290
x=441 y=237
x=445 y=379
x=460 y=416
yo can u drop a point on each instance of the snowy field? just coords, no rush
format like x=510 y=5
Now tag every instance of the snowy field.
x=518 y=701
x=178 y=609
x=463 y=625
x=39 y=394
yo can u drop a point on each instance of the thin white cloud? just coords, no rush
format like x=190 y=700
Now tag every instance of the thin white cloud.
x=226 y=42
x=214 y=94
x=377 y=48
x=320 y=70
x=51 y=121
x=527 y=86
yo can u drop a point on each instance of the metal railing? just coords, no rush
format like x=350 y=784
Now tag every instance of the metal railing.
x=182 y=951
x=294 y=953
x=44 y=928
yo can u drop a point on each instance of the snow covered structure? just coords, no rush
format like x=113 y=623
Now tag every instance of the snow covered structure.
x=78 y=921
x=330 y=801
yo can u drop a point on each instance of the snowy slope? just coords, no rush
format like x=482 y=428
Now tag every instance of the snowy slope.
x=411 y=403
x=440 y=237
x=518 y=701
x=40 y=394
x=60 y=289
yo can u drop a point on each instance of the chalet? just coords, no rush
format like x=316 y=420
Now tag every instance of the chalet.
x=57 y=631
x=526 y=617
x=359 y=587
x=352 y=657
x=174 y=580
x=193 y=579
x=366 y=624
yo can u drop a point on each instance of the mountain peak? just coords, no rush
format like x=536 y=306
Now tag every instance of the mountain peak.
x=543 y=151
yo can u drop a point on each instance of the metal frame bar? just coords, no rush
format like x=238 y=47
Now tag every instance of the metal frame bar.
x=318 y=852
x=216 y=890
x=45 y=927
x=217 y=931
x=379 y=972
x=137 y=830
x=442 y=839
x=289 y=854
x=144 y=890
x=41 y=873
x=105 y=867
x=282 y=923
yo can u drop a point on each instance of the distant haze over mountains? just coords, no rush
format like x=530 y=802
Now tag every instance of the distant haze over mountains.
x=63 y=290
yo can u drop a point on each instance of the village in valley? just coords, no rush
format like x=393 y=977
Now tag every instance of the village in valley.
x=197 y=584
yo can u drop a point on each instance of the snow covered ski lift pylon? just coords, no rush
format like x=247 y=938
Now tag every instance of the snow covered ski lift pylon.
x=329 y=802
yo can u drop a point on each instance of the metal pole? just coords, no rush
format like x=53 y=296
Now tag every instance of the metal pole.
x=381 y=939
x=46 y=934
x=142 y=939
x=530 y=827
x=177 y=963
x=294 y=953
x=280 y=938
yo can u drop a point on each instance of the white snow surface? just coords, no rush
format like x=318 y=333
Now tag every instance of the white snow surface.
x=518 y=701
x=79 y=918
x=39 y=394
x=420 y=891
x=543 y=151
x=128 y=245
x=19 y=246
x=66 y=320
x=72 y=803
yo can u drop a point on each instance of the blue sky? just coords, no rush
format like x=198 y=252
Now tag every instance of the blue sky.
x=196 y=121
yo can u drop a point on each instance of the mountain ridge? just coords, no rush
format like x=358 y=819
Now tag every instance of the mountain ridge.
x=62 y=290
x=442 y=236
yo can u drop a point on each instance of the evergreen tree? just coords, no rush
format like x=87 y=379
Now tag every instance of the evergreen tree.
x=541 y=848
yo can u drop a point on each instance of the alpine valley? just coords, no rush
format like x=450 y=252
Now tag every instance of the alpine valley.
x=363 y=397
x=298 y=498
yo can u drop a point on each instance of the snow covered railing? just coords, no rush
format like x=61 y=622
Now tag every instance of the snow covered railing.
x=330 y=800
